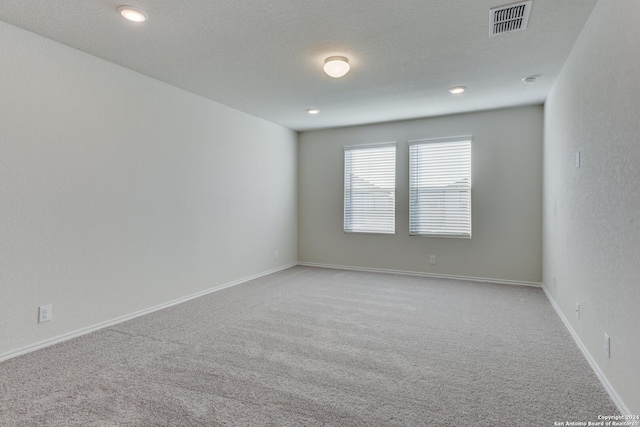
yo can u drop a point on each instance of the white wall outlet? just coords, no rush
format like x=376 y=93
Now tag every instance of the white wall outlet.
x=577 y=159
x=432 y=260
x=578 y=309
x=276 y=255
x=45 y=313
x=607 y=346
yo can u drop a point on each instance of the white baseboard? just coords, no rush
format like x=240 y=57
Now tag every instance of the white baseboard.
x=421 y=274
x=615 y=398
x=60 y=338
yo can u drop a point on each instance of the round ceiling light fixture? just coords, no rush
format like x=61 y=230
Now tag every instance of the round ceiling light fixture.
x=336 y=66
x=457 y=89
x=132 y=14
x=530 y=79
x=313 y=111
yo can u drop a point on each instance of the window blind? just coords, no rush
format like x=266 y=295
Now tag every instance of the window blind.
x=370 y=189
x=440 y=187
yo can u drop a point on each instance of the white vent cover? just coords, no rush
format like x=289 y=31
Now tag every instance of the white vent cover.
x=510 y=18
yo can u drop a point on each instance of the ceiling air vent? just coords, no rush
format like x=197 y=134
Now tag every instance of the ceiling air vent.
x=509 y=18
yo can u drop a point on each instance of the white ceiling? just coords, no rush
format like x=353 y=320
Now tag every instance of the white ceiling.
x=265 y=57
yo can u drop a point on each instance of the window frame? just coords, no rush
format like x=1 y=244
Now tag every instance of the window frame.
x=463 y=138
x=346 y=148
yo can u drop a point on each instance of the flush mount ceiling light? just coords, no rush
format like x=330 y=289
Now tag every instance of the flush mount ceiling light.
x=530 y=79
x=336 y=66
x=313 y=111
x=133 y=14
x=457 y=89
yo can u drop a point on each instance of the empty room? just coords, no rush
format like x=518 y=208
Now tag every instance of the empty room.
x=329 y=213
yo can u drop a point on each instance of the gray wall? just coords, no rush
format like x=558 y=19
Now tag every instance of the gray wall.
x=592 y=214
x=119 y=192
x=506 y=198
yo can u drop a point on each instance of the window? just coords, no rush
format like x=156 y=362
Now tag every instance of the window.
x=370 y=189
x=440 y=187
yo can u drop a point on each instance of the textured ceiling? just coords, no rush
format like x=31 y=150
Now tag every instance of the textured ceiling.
x=265 y=57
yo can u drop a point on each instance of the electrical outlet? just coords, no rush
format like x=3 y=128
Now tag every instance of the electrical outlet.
x=276 y=255
x=607 y=346
x=578 y=309
x=45 y=313
x=432 y=260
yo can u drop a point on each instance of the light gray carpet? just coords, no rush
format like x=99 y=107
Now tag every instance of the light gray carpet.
x=318 y=347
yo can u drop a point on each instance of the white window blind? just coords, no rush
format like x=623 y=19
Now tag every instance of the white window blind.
x=440 y=187
x=370 y=189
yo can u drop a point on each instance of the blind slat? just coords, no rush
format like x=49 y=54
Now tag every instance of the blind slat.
x=440 y=188
x=370 y=189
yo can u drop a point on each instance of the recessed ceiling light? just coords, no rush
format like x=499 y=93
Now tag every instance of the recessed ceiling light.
x=530 y=79
x=457 y=89
x=133 y=14
x=313 y=111
x=336 y=66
